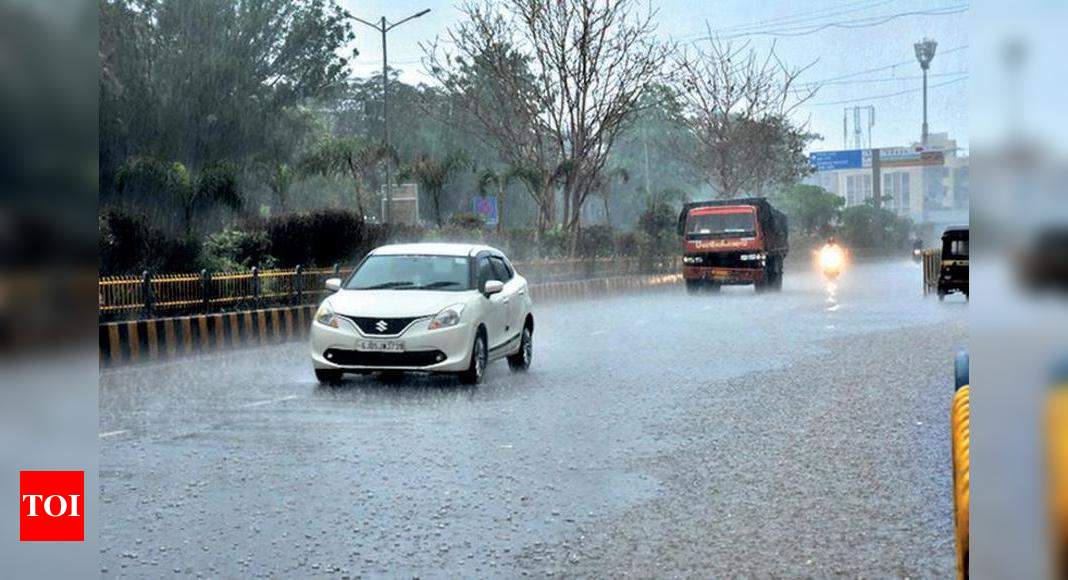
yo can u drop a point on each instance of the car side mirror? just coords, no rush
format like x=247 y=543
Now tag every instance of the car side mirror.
x=493 y=287
x=333 y=284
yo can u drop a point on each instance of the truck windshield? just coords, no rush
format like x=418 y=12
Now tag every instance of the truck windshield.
x=721 y=224
x=412 y=272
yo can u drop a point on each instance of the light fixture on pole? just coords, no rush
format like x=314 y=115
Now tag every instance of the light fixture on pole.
x=383 y=27
x=925 y=51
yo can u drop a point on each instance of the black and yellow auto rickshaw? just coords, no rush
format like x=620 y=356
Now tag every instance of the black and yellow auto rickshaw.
x=953 y=273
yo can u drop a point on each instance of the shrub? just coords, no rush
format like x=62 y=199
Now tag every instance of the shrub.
x=658 y=222
x=467 y=221
x=128 y=245
x=320 y=238
x=596 y=241
x=234 y=249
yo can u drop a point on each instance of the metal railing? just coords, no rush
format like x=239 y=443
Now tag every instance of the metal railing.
x=151 y=295
x=932 y=262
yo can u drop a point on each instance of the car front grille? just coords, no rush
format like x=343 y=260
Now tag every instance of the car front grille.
x=359 y=358
x=382 y=326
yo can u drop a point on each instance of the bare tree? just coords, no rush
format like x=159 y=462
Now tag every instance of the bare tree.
x=737 y=105
x=565 y=75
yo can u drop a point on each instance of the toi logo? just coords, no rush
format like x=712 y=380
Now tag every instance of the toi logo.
x=52 y=506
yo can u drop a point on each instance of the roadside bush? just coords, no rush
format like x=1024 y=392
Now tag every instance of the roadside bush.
x=596 y=241
x=234 y=250
x=128 y=245
x=629 y=243
x=658 y=222
x=319 y=238
x=466 y=221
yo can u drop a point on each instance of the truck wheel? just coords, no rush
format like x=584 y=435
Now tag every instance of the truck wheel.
x=693 y=286
x=713 y=288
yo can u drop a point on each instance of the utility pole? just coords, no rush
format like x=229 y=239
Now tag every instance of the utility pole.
x=384 y=27
x=925 y=51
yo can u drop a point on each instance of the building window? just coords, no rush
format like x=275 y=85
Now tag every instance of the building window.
x=896 y=190
x=858 y=189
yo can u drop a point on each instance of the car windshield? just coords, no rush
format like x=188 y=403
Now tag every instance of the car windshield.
x=412 y=272
x=721 y=224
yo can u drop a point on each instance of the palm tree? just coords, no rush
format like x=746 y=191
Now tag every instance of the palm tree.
x=215 y=185
x=433 y=174
x=350 y=157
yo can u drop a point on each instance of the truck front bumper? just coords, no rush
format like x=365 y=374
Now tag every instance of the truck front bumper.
x=724 y=275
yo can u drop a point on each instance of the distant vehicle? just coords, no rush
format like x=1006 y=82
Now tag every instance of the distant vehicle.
x=831 y=259
x=440 y=308
x=953 y=273
x=735 y=241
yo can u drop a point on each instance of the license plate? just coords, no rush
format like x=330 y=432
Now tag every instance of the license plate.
x=380 y=345
x=719 y=275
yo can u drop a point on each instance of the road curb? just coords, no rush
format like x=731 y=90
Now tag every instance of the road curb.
x=134 y=341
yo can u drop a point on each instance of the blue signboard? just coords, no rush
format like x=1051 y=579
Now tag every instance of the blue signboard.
x=831 y=160
x=487 y=208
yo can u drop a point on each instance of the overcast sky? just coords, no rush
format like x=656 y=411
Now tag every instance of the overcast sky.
x=851 y=42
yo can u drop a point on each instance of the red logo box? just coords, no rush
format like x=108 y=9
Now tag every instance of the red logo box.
x=52 y=506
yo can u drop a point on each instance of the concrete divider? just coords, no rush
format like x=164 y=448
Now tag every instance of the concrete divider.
x=136 y=341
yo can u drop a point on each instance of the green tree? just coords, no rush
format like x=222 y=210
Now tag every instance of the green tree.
x=812 y=209
x=868 y=226
x=346 y=157
x=170 y=183
x=433 y=174
x=203 y=80
x=605 y=182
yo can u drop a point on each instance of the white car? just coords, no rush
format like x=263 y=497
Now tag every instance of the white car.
x=440 y=308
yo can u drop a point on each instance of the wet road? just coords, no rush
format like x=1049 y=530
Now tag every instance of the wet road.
x=801 y=433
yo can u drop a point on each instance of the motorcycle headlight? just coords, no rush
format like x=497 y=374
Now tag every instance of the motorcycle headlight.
x=325 y=315
x=449 y=316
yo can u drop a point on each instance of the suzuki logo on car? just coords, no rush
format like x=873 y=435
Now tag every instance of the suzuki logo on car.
x=381 y=325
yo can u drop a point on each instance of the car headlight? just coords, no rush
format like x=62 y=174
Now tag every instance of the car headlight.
x=449 y=316
x=752 y=256
x=325 y=315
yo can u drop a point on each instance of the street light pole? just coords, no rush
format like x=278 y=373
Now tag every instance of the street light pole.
x=384 y=27
x=925 y=51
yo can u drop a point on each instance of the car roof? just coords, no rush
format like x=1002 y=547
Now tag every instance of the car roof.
x=432 y=249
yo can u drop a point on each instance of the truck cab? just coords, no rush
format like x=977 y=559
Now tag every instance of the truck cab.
x=732 y=242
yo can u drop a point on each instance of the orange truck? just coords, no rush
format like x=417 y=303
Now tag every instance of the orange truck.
x=732 y=241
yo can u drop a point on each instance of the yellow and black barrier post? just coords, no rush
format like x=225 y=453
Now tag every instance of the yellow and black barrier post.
x=960 y=432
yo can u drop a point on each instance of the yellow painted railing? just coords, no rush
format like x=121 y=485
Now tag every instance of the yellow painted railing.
x=168 y=294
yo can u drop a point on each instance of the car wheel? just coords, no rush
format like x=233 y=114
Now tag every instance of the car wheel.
x=328 y=376
x=520 y=361
x=479 y=358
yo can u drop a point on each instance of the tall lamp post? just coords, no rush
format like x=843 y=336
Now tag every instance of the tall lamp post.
x=383 y=27
x=925 y=51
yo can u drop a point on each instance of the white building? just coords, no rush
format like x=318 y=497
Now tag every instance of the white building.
x=931 y=185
